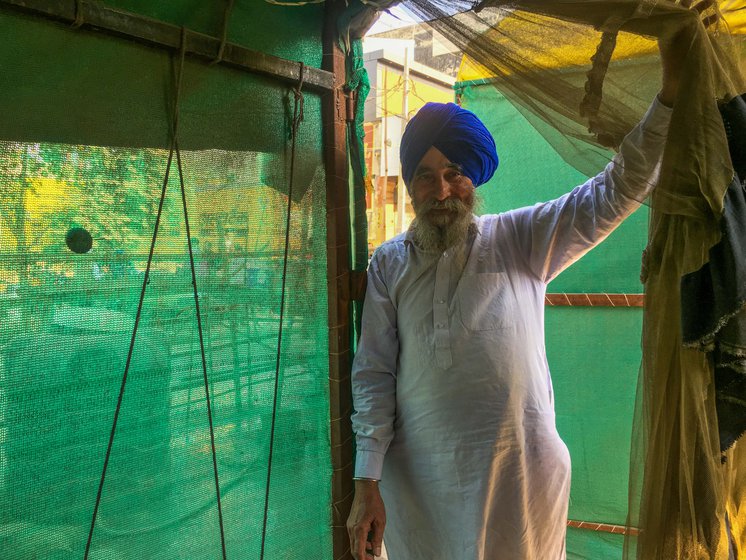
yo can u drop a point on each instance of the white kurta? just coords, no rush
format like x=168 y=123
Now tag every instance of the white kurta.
x=452 y=392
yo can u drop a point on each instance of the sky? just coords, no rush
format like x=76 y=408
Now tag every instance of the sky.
x=392 y=19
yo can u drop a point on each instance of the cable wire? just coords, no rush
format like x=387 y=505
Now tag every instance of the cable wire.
x=145 y=281
x=202 y=350
x=297 y=118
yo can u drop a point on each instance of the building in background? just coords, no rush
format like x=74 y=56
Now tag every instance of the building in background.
x=406 y=67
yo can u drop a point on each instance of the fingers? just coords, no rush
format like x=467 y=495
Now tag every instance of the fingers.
x=366 y=522
x=359 y=540
x=353 y=539
x=710 y=20
x=377 y=537
x=366 y=541
x=704 y=5
x=699 y=7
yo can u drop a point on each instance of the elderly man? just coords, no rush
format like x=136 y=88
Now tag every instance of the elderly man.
x=452 y=392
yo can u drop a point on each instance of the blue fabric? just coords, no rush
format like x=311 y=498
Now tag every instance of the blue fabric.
x=457 y=133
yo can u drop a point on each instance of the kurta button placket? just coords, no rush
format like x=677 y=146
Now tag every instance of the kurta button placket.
x=442 y=335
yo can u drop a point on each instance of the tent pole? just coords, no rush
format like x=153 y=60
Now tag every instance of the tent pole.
x=95 y=16
x=338 y=282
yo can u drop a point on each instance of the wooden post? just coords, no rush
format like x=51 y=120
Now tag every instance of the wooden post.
x=338 y=283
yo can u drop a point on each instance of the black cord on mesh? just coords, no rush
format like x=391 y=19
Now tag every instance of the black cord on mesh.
x=202 y=350
x=224 y=31
x=591 y=103
x=297 y=118
x=79 y=18
x=146 y=279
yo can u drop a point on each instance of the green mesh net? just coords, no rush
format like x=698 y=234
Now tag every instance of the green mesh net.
x=67 y=321
x=77 y=218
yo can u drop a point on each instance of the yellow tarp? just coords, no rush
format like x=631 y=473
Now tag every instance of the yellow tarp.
x=556 y=54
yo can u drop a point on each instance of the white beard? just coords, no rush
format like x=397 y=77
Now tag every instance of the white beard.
x=441 y=232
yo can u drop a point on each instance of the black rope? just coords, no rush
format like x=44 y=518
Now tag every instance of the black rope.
x=79 y=18
x=297 y=118
x=145 y=281
x=224 y=32
x=202 y=350
x=199 y=315
x=591 y=102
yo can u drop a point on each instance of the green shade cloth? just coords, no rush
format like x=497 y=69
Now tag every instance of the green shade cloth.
x=81 y=146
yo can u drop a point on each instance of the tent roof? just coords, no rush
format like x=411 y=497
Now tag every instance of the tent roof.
x=562 y=55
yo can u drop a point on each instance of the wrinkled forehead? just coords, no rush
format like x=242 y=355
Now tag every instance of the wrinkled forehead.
x=426 y=169
x=435 y=160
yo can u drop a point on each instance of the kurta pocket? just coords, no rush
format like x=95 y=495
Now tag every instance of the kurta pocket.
x=485 y=301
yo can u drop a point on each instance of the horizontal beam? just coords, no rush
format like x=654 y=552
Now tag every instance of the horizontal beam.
x=604 y=527
x=595 y=300
x=399 y=66
x=96 y=16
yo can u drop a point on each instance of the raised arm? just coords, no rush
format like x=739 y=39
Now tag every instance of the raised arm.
x=555 y=234
x=552 y=235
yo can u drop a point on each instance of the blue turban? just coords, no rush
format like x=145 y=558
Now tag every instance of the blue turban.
x=457 y=133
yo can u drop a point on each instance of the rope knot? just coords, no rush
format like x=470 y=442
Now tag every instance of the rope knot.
x=79 y=17
x=299 y=99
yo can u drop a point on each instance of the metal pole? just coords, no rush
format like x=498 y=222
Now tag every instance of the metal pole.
x=385 y=144
x=401 y=202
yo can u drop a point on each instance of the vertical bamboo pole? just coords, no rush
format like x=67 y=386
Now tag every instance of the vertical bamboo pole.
x=401 y=189
x=338 y=282
x=382 y=232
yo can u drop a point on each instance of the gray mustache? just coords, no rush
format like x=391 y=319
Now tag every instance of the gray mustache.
x=451 y=204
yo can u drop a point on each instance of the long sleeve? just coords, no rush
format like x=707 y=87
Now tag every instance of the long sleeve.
x=374 y=376
x=555 y=234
